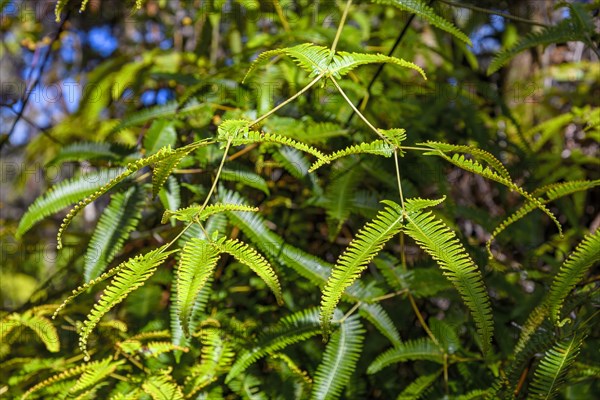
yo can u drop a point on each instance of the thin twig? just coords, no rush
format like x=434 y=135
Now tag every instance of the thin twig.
x=338 y=33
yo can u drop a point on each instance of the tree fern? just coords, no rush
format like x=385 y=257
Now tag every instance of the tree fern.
x=63 y=195
x=199 y=213
x=552 y=192
x=551 y=372
x=571 y=272
x=118 y=220
x=196 y=266
x=568 y=30
x=251 y=258
x=292 y=329
x=316 y=60
x=368 y=242
x=420 y=8
x=417 y=349
x=433 y=236
x=339 y=361
x=132 y=275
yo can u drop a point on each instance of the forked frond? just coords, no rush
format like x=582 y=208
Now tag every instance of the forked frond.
x=131 y=276
x=552 y=192
x=571 y=272
x=256 y=262
x=367 y=244
x=117 y=221
x=420 y=8
x=62 y=195
x=552 y=370
x=475 y=167
x=377 y=147
x=196 y=265
x=375 y=314
x=197 y=213
x=291 y=329
x=417 y=349
x=339 y=361
x=433 y=236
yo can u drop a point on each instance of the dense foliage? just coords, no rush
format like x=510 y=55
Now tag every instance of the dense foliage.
x=290 y=219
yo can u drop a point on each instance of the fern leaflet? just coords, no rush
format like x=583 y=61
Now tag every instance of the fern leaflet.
x=162 y=387
x=377 y=147
x=417 y=349
x=96 y=372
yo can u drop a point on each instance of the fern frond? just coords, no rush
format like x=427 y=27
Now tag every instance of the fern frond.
x=551 y=372
x=131 y=276
x=476 y=168
x=196 y=266
x=162 y=387
x=256 y=262
x=85 y=151
x=395 y=136
x=40 y=325
x=62 y=195
x=419 y=387
x=316 y=60
x=367 y=244
x=154 y=349
x=565 y=31
x=445 y=335
x=96 y=372
x=433 y=236
x=417 y=349
x=291 y=329
x=420 y=8
x=552 y=192
x=571 y=272
x=375 y=314
x=377 y=147
x=339 y=361
x=338 y=197
x=297 y=371
x=246 y=178
x=117 y=221
x=217 y=356
x=64 y=375
x=197 y=213
x=477 y=153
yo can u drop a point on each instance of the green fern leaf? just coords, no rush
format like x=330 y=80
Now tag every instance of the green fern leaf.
x=197 y=213
x=419 y=387
x=552 y=192
x=339 y=361
x=40 y=325
x=417 y=349
x=552 y=370
x=196 y=266
x=63 y=195
x=246 y=178
x=86 y=151
x=367 y=244
x=420 y=8
x=162 y=387
x=375 y=314
x=344 y=62
x=433 y=236
x=571 y=272
x=96 y=372
x=476 y=168
x=62 y=376
x=338 y=197
x=291 y=329
x=132 y=275
x=378 y=147
x=251 y=258
x=118 y=220
x=565 y=31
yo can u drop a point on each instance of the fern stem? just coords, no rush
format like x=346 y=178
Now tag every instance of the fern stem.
x=294 y=97
x=358 y=112
x=350 y=312
x=281 y=15
x=398 y=177
x=388 y=296
x=422 y=321
x=339 y=30
x=413 y=148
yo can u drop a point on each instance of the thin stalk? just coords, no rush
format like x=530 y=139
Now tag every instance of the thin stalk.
x=281 y=15
x=398 y=177
x=350 y=312
x=388 y=296
x=493 y=12
x=300 y=93
x=339 y=30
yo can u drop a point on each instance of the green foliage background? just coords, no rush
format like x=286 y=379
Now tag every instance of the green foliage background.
x=259 y=236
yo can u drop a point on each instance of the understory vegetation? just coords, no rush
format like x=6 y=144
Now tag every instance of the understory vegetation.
x=278 y=200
